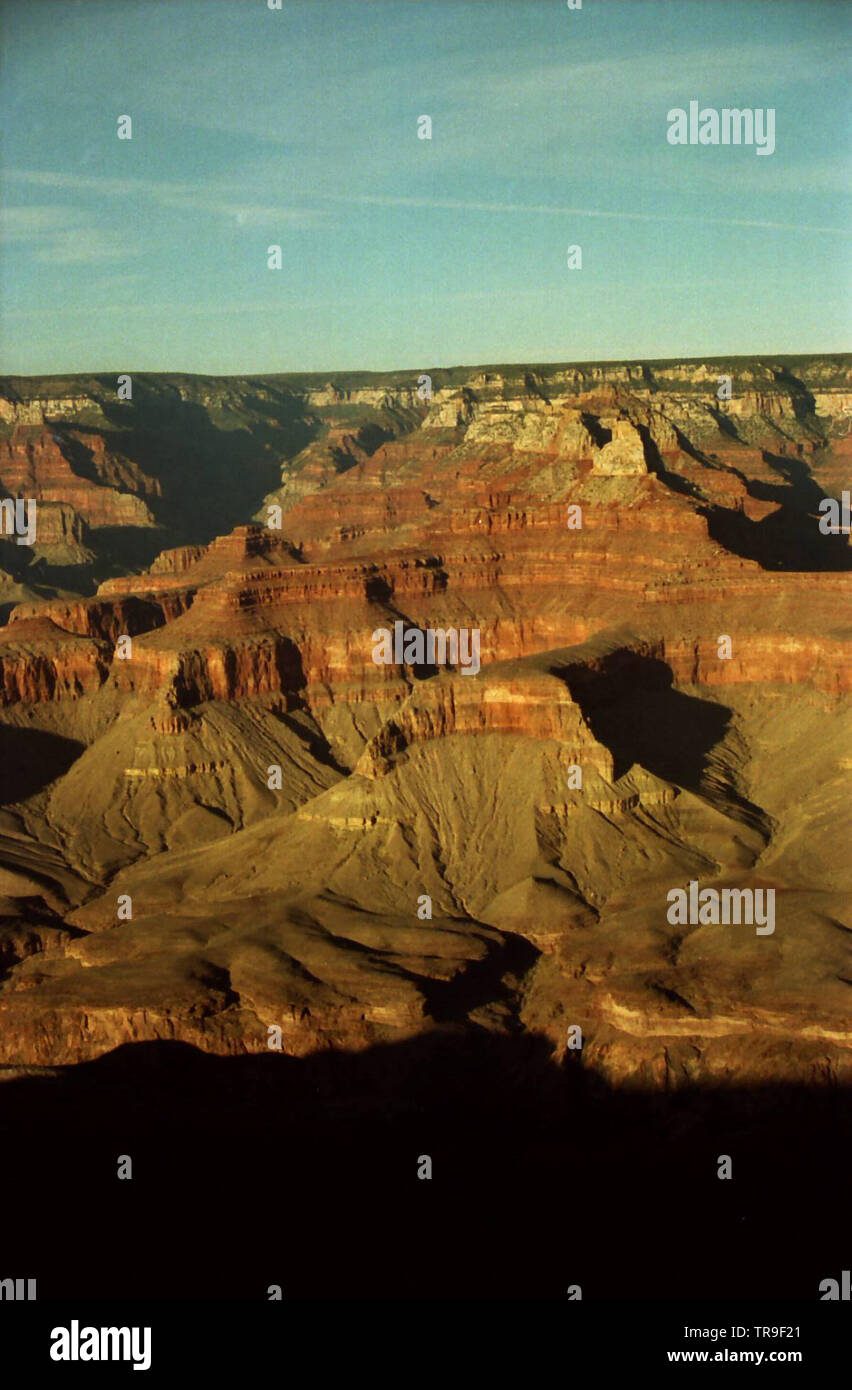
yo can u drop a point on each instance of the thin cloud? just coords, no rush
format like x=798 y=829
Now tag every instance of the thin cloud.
x=61 y=235
x=194 y=197
x=545 y=209
x=24 y=224
x=223 y=200
x=89 y=246
x=653 y=75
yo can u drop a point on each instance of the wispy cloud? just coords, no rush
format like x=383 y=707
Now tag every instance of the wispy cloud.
x=527 y=209
x=228 y=200
x=22 y=224
x=90 y=246
x=37 y=220
x=62 y=235
x=647 y=77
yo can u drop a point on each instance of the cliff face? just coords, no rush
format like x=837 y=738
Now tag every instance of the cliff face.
x=40 y=661
x=40 y=463
x=663 y=643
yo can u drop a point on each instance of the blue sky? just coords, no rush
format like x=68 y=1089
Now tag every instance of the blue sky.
x=298 y=127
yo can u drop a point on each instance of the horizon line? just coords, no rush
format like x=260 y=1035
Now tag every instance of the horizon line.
x=455 y=367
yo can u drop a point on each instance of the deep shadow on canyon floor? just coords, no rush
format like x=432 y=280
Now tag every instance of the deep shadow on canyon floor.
x=263 y=1170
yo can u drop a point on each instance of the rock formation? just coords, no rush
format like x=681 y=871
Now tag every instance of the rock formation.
x=353 y=852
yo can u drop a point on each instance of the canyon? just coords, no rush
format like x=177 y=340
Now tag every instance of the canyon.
x=605 y=527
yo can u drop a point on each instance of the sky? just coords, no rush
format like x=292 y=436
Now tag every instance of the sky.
x=298 y=127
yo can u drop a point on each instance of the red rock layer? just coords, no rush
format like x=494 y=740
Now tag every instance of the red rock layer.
x=537 y=521
x=33 y=464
